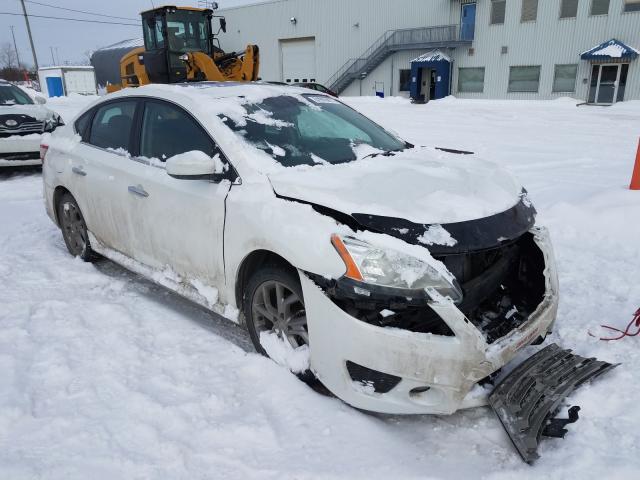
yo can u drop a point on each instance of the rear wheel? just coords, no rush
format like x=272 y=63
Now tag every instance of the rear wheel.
x=74 y=229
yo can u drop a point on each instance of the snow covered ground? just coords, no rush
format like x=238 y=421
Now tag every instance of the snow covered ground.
x=104 y=375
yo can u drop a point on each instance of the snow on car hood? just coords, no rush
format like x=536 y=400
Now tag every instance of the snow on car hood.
x=38 y=112
x=421 y=185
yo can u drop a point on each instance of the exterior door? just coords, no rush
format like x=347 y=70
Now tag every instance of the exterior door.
x=608 y=82
x=179 y=223
x=100 y=174
x=432 y=84
x=468 y=21
x=54 y=87
x=425 y=84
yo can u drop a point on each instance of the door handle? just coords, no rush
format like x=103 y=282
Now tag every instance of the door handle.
x=79 y=171
x=138 y=190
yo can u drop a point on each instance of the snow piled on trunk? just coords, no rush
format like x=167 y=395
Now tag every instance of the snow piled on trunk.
x=105 y=375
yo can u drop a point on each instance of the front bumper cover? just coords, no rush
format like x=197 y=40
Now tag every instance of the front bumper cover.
x=438 y=372
x=20 y=150
x=531 y=394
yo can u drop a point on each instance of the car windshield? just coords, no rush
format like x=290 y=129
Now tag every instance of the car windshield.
x=11 y=95
x=311 y=129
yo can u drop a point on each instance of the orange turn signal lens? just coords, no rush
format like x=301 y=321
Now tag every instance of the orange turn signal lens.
x=353 y=271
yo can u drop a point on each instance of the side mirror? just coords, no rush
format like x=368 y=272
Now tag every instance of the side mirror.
x=223 y=24
x=40 y=100
x=195 y=165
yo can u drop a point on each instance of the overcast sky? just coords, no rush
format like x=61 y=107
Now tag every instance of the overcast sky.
x=70 y=40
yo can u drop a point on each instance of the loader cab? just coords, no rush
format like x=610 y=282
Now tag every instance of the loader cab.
x=169 y=33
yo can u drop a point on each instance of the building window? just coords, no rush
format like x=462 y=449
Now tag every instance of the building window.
x=405 y=80
x=632 y=5
x=498 y=11
x=471 y=80
x=564 y=78
x=524 y=79
x=568 y=8
x=529 y=11
x=599 y=7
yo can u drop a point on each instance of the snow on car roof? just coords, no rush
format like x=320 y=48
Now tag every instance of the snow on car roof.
x=248 y=92
x=224 y=89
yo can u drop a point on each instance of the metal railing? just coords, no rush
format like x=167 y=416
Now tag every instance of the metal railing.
x=441 y=36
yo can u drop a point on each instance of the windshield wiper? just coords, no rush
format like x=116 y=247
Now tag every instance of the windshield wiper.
x=385 y=153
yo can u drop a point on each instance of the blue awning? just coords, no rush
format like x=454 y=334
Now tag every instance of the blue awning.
x=613 y=49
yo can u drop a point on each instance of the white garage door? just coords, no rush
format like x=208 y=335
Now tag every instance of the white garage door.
x=298 y=60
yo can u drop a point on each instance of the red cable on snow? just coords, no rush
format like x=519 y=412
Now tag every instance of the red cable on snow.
x=623 y=333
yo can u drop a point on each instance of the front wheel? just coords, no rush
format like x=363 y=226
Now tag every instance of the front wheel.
x=74 y=229
x=276 y=317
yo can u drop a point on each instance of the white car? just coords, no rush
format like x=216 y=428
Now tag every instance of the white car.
x=22 y=123
x=401 y=277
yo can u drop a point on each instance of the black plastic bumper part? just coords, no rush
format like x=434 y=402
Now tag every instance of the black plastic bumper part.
x=527 y=399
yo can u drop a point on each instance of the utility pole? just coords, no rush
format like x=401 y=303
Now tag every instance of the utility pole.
x=15 y=46
x=33 y=49
x=53 y=59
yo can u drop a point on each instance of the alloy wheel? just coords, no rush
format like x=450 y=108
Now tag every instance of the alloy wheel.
x=74 y=228
x=276 y=308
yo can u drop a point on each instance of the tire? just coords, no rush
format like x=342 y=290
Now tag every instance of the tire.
x=74 y=229
x=261 y=310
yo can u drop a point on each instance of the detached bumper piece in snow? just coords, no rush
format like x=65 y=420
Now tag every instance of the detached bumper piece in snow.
x=529 y=396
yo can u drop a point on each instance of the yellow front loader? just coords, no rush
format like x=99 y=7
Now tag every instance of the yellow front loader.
x=180 y=46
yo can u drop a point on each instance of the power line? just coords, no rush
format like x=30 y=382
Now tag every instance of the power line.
x=73 y=19
x=78 y=11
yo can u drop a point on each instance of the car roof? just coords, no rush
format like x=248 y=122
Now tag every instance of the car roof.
x=217 y=89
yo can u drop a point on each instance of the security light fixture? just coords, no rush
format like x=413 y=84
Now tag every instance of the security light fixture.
x=293 y=20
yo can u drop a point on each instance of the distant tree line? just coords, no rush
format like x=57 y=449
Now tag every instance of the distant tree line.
x=9 y=67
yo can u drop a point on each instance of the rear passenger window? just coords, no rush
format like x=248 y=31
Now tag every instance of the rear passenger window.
x=82 y=125
x=111 y=126
x=168 y=130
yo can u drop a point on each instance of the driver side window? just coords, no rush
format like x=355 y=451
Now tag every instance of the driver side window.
x=168 y=130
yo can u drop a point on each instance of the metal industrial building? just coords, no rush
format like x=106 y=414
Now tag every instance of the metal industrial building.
x=513 y=49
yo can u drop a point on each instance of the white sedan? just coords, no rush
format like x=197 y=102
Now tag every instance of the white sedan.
x=22 y=123
x=399 y=276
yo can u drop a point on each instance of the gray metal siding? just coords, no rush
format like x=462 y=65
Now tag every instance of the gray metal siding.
x=331 y=22
x=388 y=73
x=546 y=42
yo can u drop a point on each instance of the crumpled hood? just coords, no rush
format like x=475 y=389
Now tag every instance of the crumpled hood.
x=422 y=185
x=38 y=112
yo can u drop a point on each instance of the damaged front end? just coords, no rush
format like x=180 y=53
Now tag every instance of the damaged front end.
x=398 y=350
x=502 y=265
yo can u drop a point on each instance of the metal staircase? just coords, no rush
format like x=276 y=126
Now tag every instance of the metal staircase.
x=442 y=36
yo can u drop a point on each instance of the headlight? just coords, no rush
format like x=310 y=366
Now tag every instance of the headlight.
x=389 y=268
x=52 y=123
